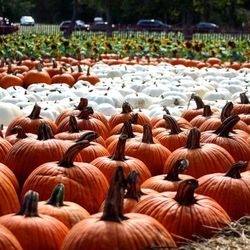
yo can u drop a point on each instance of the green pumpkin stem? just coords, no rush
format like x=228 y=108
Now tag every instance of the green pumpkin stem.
x=172 y=124
x=178 y=167
x=126 y=108
x=19 y=131
x=113 y=206
x=29 y=206
x=44 y=132
x=147 y=136
x=119 y=152
x=67 y=160
x=227 y=126
x=185 y=192
x=235 y=169
x=57 y=197
x=193 y=140
x=133 y=186
x=35 y=113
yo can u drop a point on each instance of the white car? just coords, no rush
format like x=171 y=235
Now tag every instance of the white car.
x=27 y=21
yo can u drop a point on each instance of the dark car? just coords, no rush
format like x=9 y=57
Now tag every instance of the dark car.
x=100 y=25
x=153 y=25
x=205 y=27
x=77 y=25
x=6 y=27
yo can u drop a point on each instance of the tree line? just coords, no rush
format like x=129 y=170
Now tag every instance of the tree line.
x=227 y=13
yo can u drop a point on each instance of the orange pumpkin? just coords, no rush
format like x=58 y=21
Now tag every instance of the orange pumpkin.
x=90 y=77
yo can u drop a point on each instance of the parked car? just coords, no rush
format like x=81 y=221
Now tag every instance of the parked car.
x=27 y=21
x=206 y=27
x=153 y=25
x=100 y=25
x=6 y=27
x=78 y=25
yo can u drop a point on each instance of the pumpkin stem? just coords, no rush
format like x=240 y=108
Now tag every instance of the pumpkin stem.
x=127 y=129
x=67 y=160
x=133 y=186
x=226 y=111
x=234 y=171
x=19 y=131
x=73 y=126
x=88 y=71
x=165 y=109
x=54 y=63
x=193 y=140
x=113 y=206
x=227 y=126
x=243 y=98
x=39 y=67
x=119 y=152
x=29 y=206
x=89 y=136
x=147 y=136
x=198 y=101
x=35 y=113
x=44 y=132
x=207 y=111
x=126 y=108
x=82 y=104
x=185 y=192
x=85 y=113
x=178 y=167
x=134 y=118
x=172 y=124
x=57 y=197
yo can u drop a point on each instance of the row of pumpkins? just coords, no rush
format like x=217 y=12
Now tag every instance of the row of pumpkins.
x=124 y=181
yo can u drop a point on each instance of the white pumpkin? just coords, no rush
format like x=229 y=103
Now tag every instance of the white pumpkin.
x=139 y=100
x=8 y=111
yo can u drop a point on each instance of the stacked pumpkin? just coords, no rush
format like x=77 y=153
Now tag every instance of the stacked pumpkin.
x=83 y=156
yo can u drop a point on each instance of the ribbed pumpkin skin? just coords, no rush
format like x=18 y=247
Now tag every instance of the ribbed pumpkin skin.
x=107 y=166
x=29 y=153
x=7 y=240
x=9 y=199
x=136 y=232
x=69 y=214
x=232 y=194
x=40 y=233
x=5 y=147
x=181 y=220
x=84 y=183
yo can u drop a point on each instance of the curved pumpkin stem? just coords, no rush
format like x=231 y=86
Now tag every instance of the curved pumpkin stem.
x=185 y=192
x=82 y=104
x=134 y=118
x=165 y=109
x=227 y=126
x=89 y=136
x=198 y=101
x=68 y=157
x=19 y=131
x=113 y=206
x=193 y=140
x=35 y=113
x=119 y=153
x=127 y=129
x=173 y=125
x=177 y=168
x=57 y=197
x=207 y=111
x=73 y=126
x=226 y=111
x=44 y=132
x=85 y=113
x=133 y=186
x=29 y=206
x=126 y=108
x=147 y=134
x=234 y=171
x=243 y=98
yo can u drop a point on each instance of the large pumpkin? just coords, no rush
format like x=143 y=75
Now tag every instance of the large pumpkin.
x=184 y=213
x=33 y=230
x=114 y=230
